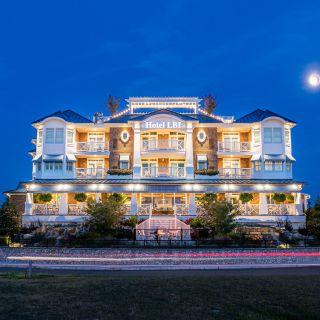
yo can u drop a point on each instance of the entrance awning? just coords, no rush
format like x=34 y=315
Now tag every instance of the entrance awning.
x=53 y=157
x=276 y=157
x=71 y=157
x=37 y=158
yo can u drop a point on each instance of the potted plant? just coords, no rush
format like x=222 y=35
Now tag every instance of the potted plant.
x=80 y=197
x=246 y=197
x=44 y=197
x=279 y=197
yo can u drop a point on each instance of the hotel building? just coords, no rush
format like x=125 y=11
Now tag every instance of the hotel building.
x=162 y=153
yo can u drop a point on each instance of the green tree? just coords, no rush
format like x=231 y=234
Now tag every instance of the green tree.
x=217 y=215
x=210 y=103
x=313 y=219
x=10 y=219
x=107 y=215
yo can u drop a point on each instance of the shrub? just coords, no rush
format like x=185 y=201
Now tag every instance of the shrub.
x=290 y=197
x=279 y=197
x=80 y=197
x=246 y=197
x=119 y=172
x=194 y=222
x=44 y=197
x=206 y=172
x=10 y=219
x=130 y=222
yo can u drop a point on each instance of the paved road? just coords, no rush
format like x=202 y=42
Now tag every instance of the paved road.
x=157 y=259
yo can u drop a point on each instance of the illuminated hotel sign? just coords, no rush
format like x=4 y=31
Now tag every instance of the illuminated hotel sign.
x=163 y=125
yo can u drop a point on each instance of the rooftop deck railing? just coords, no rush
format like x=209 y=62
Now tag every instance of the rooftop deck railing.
x=234 y=146
x=163 y=145
x=91 y=173
x=235 y=173
x=92 y=147
x=163 y=172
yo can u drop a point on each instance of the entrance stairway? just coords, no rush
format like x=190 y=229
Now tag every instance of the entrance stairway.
x=162 y=228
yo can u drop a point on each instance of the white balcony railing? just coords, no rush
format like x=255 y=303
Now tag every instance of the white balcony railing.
x=77 y=209
x=235 y=173
x=179 y=209
x=145 y=209
x=92 y=147
x=234 y=146
x=159 y=172
x=248 y=209
x=281 y=209
x=91 y=173
x=45 y=208
x=163 y=145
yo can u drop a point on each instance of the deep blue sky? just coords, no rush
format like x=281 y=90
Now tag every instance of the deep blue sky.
x=72 y=54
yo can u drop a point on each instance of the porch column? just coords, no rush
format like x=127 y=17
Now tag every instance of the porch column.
x=136 y=151
x=298 y=204
x=263 y=203
x=63 y=203
x=192 y=210
x=134 y=205
x=189 y=151
x=28 y=204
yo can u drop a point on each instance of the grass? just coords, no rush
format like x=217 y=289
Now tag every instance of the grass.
x=159 y=296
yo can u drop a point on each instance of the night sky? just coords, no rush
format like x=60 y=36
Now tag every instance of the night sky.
x=71 y=54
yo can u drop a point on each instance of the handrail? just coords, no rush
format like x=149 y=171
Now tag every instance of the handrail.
x=45 y=208
x=90 y=173
x=154 y=172
x=234 y=146
x=92 y=146
x=282 y=209
x=163 y=144
x=235 y=173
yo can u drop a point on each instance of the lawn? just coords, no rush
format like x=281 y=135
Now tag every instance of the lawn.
x=161 y=296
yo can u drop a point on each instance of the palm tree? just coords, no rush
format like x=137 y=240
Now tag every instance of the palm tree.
x=112 y=104
x=210 y=103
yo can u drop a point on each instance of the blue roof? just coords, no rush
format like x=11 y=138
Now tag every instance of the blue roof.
x=259 y=115
x=67 y=115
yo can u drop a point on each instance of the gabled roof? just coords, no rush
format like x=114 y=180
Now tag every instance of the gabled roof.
x=67 y=115
x=164 y=111
x=259 y=115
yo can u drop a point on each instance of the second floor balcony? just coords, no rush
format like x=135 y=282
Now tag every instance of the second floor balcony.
x=234 y=147
x=163 y=172
x=172 y=145
x=92 y=147
x=91 y=173
x=235 y=173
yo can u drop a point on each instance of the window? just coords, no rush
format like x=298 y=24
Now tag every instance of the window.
x=40 y=135
x=70 y=136
x=288 y=166
x=277 y=135
x=272 y=135
x=278 y=166
x=124 y=164
x=38 y=166
x=69 y=166
x=257 y=165
x=49 y=135
x=53 y=166
x=59 y=136
x=268 y=166
x=202 y=165
x=267 y=133
x=256 y=136
x=287 y=136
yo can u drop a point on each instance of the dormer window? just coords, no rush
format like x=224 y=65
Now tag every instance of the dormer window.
x=272 y=135
x=54 y=135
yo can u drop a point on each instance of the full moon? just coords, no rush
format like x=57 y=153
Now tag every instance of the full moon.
x=314 y=80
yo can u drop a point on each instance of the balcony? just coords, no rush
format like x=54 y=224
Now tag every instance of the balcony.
x=91 y=173
x=234 y=147
x=168 y=145
x=92 y=147
x=163 y=172
x=282 y=209
x=45 y=209
x=235 y=173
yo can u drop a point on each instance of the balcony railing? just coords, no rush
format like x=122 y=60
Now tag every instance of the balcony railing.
x=234 y=146
x=77 y=209
x=282 y=209
x=91 y=173
x=92 y=147
x=248 y=209
x=235 y=173
x=45 y=208
x=178 y=209
x=163 y=145
x=159 y=172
